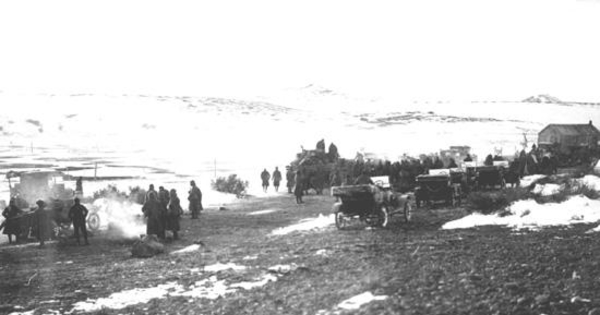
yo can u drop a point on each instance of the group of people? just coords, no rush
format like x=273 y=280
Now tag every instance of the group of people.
x=265 y=177
x=41 y=221
x=162 y=209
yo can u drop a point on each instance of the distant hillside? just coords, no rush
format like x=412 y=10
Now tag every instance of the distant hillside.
x=543 y=98
x=548 y=99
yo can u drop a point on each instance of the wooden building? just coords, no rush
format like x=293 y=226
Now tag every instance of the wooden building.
x=569 y=135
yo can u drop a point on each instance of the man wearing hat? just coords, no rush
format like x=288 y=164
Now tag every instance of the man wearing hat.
x=77 y=214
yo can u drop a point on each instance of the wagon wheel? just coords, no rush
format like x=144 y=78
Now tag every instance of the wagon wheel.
x=340 y=219
x=93 y=222
x=407 y=211
x=380 y=218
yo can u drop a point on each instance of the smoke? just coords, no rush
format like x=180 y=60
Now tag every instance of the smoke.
x=121 y=218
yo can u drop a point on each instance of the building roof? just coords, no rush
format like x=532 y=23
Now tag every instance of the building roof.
x=573 y=129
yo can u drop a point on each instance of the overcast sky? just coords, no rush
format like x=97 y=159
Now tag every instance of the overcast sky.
x=408 y=49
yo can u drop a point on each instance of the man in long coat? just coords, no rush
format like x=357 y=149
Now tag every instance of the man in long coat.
x=152 y=212
x=290 y=178
x=265 y=176
x=195 y=199
x=174 y=213
x=276 y=178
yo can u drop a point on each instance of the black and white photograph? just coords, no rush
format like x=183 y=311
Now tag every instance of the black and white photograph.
x=300 y=157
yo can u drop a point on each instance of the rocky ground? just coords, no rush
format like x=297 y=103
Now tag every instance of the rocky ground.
x=408 y=268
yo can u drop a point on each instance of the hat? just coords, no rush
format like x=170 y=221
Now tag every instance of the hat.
x=40 y=203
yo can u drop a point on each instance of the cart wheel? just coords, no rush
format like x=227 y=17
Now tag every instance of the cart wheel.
x=340 y=220
x=382 y=217
x=407 y=211
x=93 y=222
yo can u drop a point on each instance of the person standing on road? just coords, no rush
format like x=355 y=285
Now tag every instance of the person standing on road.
x=42 y=222
x=11 y=224
x=195 y=199
x=265 y=176
x=77 y=214
x=289 y=177
x=174 y=213
x=298 y=189
x=276 y=178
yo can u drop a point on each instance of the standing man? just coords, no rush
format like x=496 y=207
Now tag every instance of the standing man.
x=11 y=225
x=299 y=189
x=175 y=212
x=276 y=178
x=77 y=214
x=195 y=199
x=152 y=213
x=79 y=187
x=265 y=176
x=289 y=177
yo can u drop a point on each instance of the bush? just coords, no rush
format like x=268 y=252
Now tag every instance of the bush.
x=109 y=191
x=488 y=202
x=231 y=184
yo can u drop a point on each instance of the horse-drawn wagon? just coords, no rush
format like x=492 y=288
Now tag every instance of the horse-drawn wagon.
x=374 y=204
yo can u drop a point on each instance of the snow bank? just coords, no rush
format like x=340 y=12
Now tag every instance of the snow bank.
x=220 y=267
x=591 y=181
x=548 y=189
x=528 y=180
x=530 y=214
x=306 y=225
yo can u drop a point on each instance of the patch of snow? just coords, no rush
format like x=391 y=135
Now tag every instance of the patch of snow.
x=23 y=313
x=526 y=181
x=210 y=288
x=188 y=249
x=547 y=189
x=282 y=269
x=247 y=285
x=357 y=301
x=322 y=252
x=263 y=212
x=529 y=214
x=126 y=298
x=591 y=181
x=306 y=225
x=219 y=267
x=250 y=257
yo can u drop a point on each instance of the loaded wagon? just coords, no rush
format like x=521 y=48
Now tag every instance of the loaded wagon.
x=374 y=204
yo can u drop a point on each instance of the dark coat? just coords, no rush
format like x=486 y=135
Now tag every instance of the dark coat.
x=12 y=225
x=43 y=226
x=276 y=177
x=78 y=213
x=174 y=213
x=152 y=211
